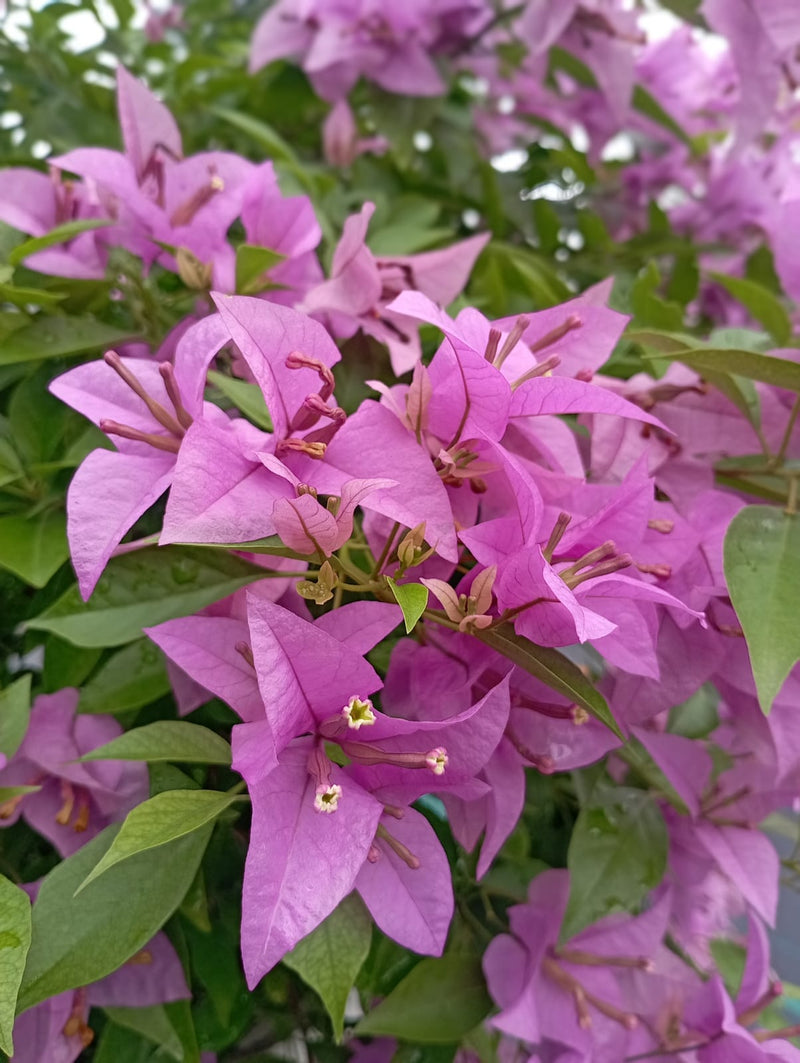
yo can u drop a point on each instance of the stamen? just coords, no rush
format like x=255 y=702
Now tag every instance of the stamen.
x=600 y=553
x=774 y=990
x=402 y=851
x=550 y=709
x=556 y=535
x=542 y=369
x=511 y=340
x=590 y=959
x=394 y=811
x=114 y=428
x=75 y=1026
x=167 y=371
x=298 y=360
x=8 y=808
x=64 y=814
x=662 y=526
x=543 y=762
x=374 y=854
x=659 y=570
x=245 y=651
x=358 y=713
x=314 y=406
x=313 y=449
x=583 y=997
x=185 y=213
x=306 y=489
x=142 y=958
x=161 y=414
x=81 y=823
x=558 y=333
x=605 y=568
x=491 y=344
x=776 y=1035
x=316 y=403
x=571 y=985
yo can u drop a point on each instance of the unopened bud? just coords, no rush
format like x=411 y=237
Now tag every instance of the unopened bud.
x=410 y=550
x=321 y=589
x=194 y=273
x=312 y=449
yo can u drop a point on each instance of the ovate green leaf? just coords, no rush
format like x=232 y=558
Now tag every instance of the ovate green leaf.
x=57 y=337
x=164 y=818
x=143 y=588
x=15 y=939
x=248 y=398
x=762 y=570
x=437 y=1003
x=80 y=939
x=132 y=677
x=551 y=668
x=412 y=599
x=761 y=303
x=60 y=235
x=617 y=854
x=174 y=740
x=330 y=957
x=15 y=709
x=33 y=548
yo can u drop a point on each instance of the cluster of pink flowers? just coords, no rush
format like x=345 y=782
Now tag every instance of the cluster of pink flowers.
x=538 y=502
x=721 y=157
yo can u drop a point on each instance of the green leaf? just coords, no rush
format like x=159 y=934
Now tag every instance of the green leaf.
x=174 y=740
x=152 y=1023
x=247 y=398
x=270 y=545
x=762 y=570
x=552 y=668
x=144 y=588
x=34 y=548
x=15 y=709
x=649 y=307
x=761 y=303
x=131 y=678
x=412 y=599
x=60 y=235
x=740 y=391
x=158 y=821
x=15 y=939
x=617 y=854
x=252 y=262
x=78 y=940
x=120 y=1044
x=437 y=1003
x=263 y=134
x=649 y=106
x=58 y=337
x=330 y=957
x=8 y=793
x=768 y=369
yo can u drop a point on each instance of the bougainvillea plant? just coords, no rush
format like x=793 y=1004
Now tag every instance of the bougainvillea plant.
x=399 y=531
